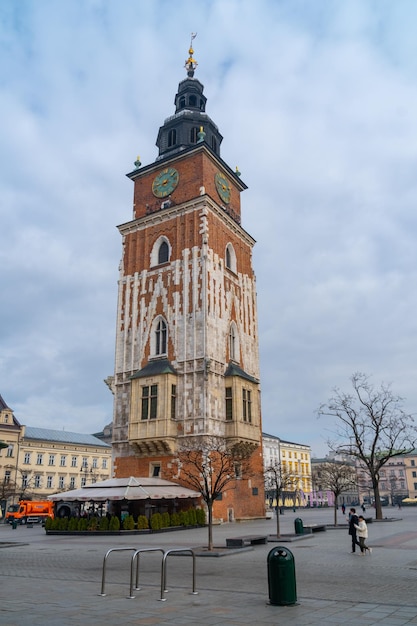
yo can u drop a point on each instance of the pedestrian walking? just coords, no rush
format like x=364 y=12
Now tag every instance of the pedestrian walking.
x=353 y=520
x=343 y=508
x=362 y=533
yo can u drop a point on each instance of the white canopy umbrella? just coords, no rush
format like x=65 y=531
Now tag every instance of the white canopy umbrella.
x=130 y=488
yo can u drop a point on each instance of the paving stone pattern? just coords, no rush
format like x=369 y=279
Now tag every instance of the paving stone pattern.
x=54 y=580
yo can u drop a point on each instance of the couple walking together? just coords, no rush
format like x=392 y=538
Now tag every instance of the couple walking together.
x=358 y=530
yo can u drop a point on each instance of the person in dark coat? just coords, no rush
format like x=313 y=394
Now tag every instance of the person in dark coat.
x=353 y=522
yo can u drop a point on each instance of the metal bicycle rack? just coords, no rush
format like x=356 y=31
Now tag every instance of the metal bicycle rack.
x=135 y=563
x=136 y=558
x=164 y=569
x=103 y=576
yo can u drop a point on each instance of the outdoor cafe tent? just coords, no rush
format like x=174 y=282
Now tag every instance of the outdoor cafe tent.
x=130 y=488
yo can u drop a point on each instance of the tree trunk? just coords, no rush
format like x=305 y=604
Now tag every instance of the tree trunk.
x=335 y=511
x=378 y=507
x=210 y=526
x=278 y=526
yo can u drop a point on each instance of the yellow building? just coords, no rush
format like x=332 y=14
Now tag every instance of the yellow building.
x=40 y=461
x=294 y=463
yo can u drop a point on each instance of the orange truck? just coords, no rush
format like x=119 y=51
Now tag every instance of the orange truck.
x=30 y=511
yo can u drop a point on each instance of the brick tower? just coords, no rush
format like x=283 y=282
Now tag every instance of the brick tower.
x=186 y=360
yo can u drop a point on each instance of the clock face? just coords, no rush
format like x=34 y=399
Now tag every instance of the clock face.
x=223 y=187
x=165 y=182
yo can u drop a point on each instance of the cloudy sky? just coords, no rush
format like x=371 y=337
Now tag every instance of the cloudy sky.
x=317 y=103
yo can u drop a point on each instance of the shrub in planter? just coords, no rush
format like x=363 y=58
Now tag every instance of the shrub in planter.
x=82 y=523
x=156 y=521
x=175 y=519
x=165 y=520
x=92 y=524
x=73 y=523
x=143 y=523
x=114 y=523
x=201 y=517
x=50 y=524
x=184 y=518
x=128 y=523
x=63 y=523
x=104 y=523
x=192 y=517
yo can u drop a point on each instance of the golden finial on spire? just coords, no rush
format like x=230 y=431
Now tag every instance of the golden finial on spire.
x=191 y=63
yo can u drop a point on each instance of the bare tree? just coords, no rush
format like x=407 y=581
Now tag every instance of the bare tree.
x=336 y=477
x=208 y=464
x=279 y=480
x=372 y=427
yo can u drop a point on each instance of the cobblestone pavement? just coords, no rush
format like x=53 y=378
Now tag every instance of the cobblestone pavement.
x=55 y=580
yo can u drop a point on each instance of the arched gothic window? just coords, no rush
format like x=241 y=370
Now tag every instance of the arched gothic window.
x=230 y=258
x=163 y=253
x=233 y=342
x=161 y=337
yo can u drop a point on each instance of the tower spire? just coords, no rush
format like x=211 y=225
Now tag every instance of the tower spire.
x=191 y=63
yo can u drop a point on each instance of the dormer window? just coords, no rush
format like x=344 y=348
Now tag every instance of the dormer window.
x=193 y=101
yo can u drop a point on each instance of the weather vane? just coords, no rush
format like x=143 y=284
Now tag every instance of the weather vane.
x=191 y=63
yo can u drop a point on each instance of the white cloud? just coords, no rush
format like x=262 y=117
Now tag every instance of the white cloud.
x=316 y=103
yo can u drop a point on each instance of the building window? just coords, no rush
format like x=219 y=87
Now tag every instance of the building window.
x=402 y=484
x=37 y=480
x=172 y=137
x=74 y=461
x=155 y=470
x=230 y=258
x=149 y=402
x=10 y=450
x=413 y=462
x=161 y=337
x=72 y=482
x=194 y=134
x=24 y=481
x=7 y=475
x=84 y=462
x=173 y=401
x=104 y=464
x=49 y=482
x=414 y=474
x=95 y=465
x=39 y=458
x=63 y=461
x=247 y=405
x=214 y=144
x=229 y=404
x=255 y=491
x=83 y=481
x=192 y=101
x=233 y=342
x=163 y=253
x=182 y=102
x=51 y=459
x=26 y=460
x=61 y=482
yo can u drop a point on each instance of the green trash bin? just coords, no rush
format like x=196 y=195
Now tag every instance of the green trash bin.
x=281 y=576
x=298 y=525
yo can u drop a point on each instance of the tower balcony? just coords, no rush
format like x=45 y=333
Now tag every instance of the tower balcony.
x=157 y=436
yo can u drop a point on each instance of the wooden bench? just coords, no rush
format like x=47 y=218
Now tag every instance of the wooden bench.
x=314 y=528
x=240 y=542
